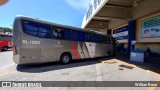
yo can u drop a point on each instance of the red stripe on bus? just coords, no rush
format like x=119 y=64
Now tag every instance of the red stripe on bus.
x=75 y=51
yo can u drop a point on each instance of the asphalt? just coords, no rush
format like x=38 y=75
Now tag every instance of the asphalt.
x=119 y=68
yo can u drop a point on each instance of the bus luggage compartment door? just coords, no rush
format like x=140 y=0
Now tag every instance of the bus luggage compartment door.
x=29 y=55
x=30 y=51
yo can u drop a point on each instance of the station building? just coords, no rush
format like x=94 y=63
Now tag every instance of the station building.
x=134 y=23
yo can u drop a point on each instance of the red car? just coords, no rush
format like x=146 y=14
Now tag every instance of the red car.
x=5 y=42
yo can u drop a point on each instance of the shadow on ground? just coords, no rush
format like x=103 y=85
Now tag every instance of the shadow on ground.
x=5 y=51
x=38 y=68
x=149 y=64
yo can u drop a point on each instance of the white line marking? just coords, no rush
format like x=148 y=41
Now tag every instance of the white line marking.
x=7 y=66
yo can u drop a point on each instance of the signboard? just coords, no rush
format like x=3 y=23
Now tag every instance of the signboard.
x=94 y=7
x=121 y=33
x=151 y=27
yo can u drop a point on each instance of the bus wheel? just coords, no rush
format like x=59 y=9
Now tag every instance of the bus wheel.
x=65 y=58
x=5 y=48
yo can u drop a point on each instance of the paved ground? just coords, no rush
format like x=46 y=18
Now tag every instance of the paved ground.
x=110 y=69
x=6 y=59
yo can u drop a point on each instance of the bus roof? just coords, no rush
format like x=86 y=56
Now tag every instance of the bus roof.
x=58 y=25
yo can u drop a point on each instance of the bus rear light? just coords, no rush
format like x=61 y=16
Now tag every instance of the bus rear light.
x=14 y=50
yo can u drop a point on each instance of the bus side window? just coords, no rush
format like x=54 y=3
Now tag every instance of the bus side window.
x=75 y=35
x=10 y=37
x=30 y=28
x=61 y=34
x=55 y=33
x=107 y=40
x=67 y=34
x=99 y=39
x=3 y=37
x=81 y=36
x=0 y=37
x=58 y=33
x=86 y=37
x=44 y=31
x=7 y=38
x=93 y=38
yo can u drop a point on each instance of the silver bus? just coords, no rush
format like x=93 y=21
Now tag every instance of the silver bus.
x=37 y=41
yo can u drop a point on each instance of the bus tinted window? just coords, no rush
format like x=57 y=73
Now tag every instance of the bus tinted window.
x=113 y=40
x=8 y=37
x=74 y=35
x=67 y=34
x=43 y=35
x=2 y=37
x=91 y=37
x=5 y=37
x=30 y=28
x=81 y=36
x=100 y=39
x=87 y=37
x=107 y=40
x=44 y=31
x=58 y=33
x=44 y=28
x=31 y=33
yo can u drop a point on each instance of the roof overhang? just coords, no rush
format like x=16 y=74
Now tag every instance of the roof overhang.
x=94 y=7
x=106 y=11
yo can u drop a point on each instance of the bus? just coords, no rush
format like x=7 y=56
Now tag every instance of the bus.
x=5 y=42
x=37 y=41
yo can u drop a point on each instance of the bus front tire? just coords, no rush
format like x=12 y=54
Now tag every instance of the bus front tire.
x=65 y=58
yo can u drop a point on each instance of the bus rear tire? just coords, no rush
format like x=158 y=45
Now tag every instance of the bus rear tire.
x=5 y=48
x=65 y=58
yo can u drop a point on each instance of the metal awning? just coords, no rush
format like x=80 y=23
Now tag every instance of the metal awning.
x=110 y=10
